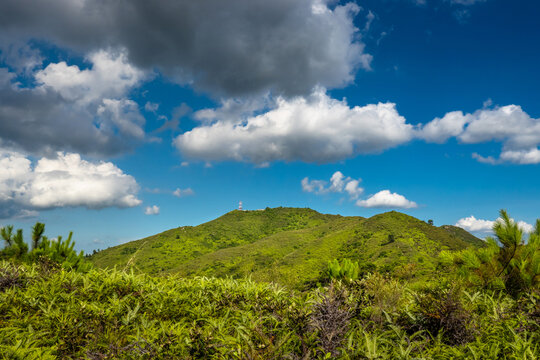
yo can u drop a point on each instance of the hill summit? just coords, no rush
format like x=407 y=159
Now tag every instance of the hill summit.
x=290 y=246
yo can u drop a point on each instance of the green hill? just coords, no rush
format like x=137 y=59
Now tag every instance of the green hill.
x=463 y=235
x=289 y=246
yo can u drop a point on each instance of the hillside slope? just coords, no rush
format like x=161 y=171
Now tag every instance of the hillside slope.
x=289 y=246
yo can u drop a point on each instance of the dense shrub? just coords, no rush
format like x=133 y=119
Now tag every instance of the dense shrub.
x=107 y=314
x=439 y=310
x=330 y=319
x=380 y=295
x=10 y=276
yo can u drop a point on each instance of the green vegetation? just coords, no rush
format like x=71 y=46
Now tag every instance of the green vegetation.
x=56 y=252
x=514 y=266
x=345 y=270
x=108 y=314
x=290 y=247
x=482 y=303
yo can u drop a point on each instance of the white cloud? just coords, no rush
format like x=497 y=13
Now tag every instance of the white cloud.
x=369 y=20
x=386 y=199
x=64 y=181
x=82 y=111
x=124 y=114
x=15 y=175
x=509 y=124
x=440 y=130
x=338 y=184
x=183 y=192
x=151 y=107
x=485 y=159
x=152 y=210
x=353 y=189
x=111 y=76
x=479 y=225
x=233 y=109
x=314 y=186
x=314 y=129
x=526 y=227
x=529 y=156
x=518 y=132
x=487 y=104
x=473 y=224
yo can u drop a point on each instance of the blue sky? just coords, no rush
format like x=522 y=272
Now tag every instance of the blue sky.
x=118 y=121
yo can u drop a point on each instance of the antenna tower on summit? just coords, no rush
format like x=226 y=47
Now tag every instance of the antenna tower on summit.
x=240 y=206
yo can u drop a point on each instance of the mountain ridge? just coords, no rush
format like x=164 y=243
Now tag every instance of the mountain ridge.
x=290 y=246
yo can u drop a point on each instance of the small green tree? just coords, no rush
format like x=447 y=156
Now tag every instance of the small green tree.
x=37 y=234
x=15 y=247
x=58 y=251
x=7 y=234
x=506 y=263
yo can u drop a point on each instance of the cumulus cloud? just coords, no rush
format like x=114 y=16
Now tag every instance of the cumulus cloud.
x=230 y=48
x=518 y=132
x=473 y=224
x=183 y=192
x=64 y=181
x=338 y=184
x=479 y=225
x=387 y=199
x=313 y=129
x=440 y=130
x=353 y=189
x=526 y=227
x=110 y=76
x=152 y=210
x=70 y=109
x=529 y=156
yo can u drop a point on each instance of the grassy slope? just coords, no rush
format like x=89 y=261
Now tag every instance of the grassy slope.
x=287 y=245
x=464 y=235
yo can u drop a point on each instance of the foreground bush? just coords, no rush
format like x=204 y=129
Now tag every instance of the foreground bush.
x=57 y=313
x=104 y=315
